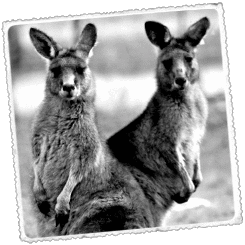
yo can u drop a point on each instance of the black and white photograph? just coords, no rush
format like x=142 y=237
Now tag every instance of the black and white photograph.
x=122 y=122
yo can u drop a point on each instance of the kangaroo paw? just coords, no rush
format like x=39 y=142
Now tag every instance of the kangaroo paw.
x=62 y=210
x=196 y=183
x=61 y=219
x=184 y=194
x=180 y=198
x=44 y=207
x=42 y=202
x=197 y=179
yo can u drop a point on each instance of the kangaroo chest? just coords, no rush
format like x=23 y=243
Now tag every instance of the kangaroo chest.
x=177 y=122
x=70 y=143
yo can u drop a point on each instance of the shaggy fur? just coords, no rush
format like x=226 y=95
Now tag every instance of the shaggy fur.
x=78 y=187
x=162 y=145
x=105 y=194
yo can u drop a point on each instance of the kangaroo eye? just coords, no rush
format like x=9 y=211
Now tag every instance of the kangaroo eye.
x=56 y=71
x=167 y=63
x=188 y=59
x=80 y=70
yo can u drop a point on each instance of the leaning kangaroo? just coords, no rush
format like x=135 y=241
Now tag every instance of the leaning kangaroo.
x=167 y=135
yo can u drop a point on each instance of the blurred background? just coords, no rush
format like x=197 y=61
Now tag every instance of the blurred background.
x=123 y=65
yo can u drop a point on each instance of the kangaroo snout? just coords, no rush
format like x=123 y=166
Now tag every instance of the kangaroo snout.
x=68 y=88
x=180 y=72
x=181 y=82
x=69 y=91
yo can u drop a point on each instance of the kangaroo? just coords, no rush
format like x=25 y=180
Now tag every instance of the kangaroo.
x=129 y=185
x=167 y=135
x=65 y=132
x=78 y=186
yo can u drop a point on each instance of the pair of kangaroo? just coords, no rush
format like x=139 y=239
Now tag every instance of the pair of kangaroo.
x=83 y=184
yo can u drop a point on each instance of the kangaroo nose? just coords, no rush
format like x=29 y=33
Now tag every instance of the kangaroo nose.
x=180 y=81
x=68 y=87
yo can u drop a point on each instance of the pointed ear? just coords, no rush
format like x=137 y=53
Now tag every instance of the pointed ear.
x=158 y=34
x=87 y=39
x=44 y=44
x=197 y=31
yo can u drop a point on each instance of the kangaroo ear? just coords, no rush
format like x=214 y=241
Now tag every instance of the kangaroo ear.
x=158 y=34
x=44 y=44
x=196 y=32
x=87 y=39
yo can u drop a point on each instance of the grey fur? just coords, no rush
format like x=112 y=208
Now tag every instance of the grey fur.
x=162 y=146
x=134 y=192
x=64 y=132
x=78 y=186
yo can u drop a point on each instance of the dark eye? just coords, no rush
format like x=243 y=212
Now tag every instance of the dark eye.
x=167 y=63
x=80 y=70
x=188 y=59
x=56 y=71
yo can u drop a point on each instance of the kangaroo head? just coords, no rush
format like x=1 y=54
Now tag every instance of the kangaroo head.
x=177 y=66
x=68 y=72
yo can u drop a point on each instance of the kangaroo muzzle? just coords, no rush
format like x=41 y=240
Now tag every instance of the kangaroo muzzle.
x=180 y=71
x=69 y=89
x=181 y=82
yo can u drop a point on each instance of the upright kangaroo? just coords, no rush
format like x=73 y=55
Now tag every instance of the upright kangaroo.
x=169 y=131
x=64 y=133
x=78 y=186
